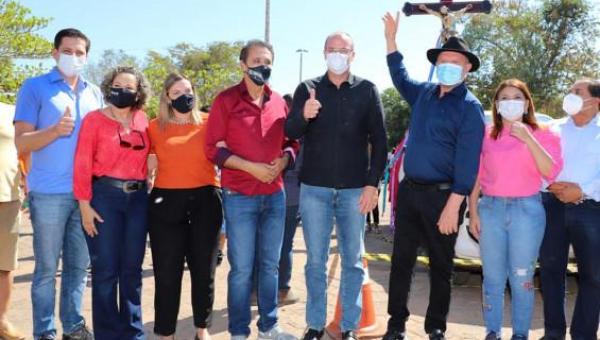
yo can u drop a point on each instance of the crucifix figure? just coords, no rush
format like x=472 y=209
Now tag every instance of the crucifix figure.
x=448 y=11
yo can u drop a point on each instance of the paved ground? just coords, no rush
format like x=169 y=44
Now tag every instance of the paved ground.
x=465 y=321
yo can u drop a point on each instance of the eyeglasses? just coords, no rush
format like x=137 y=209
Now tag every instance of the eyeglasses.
x=339 y=50
x=126 y=144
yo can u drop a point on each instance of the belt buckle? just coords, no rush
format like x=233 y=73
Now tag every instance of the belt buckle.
x=128 y=185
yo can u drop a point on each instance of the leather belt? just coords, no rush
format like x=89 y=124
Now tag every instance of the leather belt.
x=128 y=186
x=427 y=186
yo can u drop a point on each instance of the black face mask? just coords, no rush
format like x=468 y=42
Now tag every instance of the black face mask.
x=259 y=74
x=121 y=97
x=183 y=103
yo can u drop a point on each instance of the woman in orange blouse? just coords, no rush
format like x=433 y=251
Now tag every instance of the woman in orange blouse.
x=185 y=212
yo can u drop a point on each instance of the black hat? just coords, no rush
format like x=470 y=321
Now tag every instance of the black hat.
x=455 y=44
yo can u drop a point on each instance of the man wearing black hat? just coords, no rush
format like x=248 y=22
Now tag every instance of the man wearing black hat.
x=440 y=165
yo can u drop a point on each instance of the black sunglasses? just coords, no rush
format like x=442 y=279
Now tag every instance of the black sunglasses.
x=126 y=144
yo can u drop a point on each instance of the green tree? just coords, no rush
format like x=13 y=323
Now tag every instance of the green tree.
x=18 y=39
x=110 y=59
x=546 y=43
x=211 y=68
x=397 y=114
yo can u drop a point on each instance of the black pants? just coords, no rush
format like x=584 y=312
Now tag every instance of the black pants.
x=375 y=213
x=417 y=213
x=578 y=225
x=184 y=227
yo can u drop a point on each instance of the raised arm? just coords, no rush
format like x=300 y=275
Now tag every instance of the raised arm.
x=408 y=88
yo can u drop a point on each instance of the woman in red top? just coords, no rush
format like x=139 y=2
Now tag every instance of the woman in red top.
x=110 y=185
x=185 y=212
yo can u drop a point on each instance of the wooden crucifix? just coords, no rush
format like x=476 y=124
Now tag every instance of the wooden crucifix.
x=448 y=11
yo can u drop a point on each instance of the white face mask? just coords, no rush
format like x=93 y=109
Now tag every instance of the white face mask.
x=70 y=65
x=337 y=62
x=572 y=104
x=511 y=109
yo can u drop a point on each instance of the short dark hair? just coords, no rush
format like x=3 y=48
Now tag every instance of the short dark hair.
x=71 y=33
x=594 y=88
x=143 y=88
x=255 y=43
x=288 y=100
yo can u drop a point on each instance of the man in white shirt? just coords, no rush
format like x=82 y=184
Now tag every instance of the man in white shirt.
x=573 y=217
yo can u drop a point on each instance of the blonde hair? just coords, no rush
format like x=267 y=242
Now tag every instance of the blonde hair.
x=165 y=110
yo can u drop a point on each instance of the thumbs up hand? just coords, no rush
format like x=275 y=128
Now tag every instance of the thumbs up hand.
x=65 y=125
x=311 y=106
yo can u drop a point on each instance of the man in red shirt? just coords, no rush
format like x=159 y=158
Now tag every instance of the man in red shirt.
x=245 y=138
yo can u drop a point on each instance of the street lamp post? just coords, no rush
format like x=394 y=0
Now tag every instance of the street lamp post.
x=301 y=51
x=267 y=21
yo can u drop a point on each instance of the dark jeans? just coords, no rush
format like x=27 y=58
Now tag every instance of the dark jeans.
x=375 y=213
x=184 y=227
x=417 y=213
x=116 y=254
x=578 y=225
x=286 y=260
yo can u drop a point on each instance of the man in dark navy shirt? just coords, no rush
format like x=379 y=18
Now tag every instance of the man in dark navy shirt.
x=441 y=165
x=339 y=115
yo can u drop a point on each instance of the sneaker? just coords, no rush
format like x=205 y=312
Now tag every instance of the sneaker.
x=518 y=337
x=395 y=335
x=437 y=334
x=313 y=334
x=238 y=337
x=287 y=297
x=47 y=337
x=377 y=229
x=81 y=333
x=492 y=336
x=349 y=335
x=275 y=333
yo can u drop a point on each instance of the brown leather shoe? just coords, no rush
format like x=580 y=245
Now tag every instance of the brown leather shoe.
x=287 y=297
x=8 y=332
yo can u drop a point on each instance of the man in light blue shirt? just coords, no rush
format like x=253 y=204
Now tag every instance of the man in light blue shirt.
x=48 y=115
x=573 y=217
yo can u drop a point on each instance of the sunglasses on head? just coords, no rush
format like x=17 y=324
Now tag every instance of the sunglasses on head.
x=126 y=144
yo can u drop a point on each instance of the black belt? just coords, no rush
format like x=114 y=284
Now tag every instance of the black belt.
x=125 y=185
x=427 y=186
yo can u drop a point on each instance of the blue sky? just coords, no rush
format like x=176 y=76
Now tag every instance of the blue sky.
x=137 y=26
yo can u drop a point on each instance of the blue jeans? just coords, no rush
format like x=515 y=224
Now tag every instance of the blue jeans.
x=57 y=230
x=287 y=254
x=511 y=234
x=578 y=225
x=117 y=253
x=318 y=208
x=254 y=226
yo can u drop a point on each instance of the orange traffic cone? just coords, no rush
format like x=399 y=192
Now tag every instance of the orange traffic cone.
x=368 y=327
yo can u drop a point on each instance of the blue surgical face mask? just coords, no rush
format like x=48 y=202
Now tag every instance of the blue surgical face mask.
x=449 y=74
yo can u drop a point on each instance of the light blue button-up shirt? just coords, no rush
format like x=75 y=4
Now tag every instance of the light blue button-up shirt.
x=581 y=154
x=41 y=102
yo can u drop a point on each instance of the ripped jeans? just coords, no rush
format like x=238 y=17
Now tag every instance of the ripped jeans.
x=512 y=230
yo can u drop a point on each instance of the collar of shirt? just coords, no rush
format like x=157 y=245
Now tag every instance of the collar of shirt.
x=457 y=91
x=350 y=81
x=55 y=76
x=245 y=94
x=594 y=122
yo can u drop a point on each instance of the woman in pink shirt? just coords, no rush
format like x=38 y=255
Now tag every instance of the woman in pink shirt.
x=509 y=219
x=110 y=185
